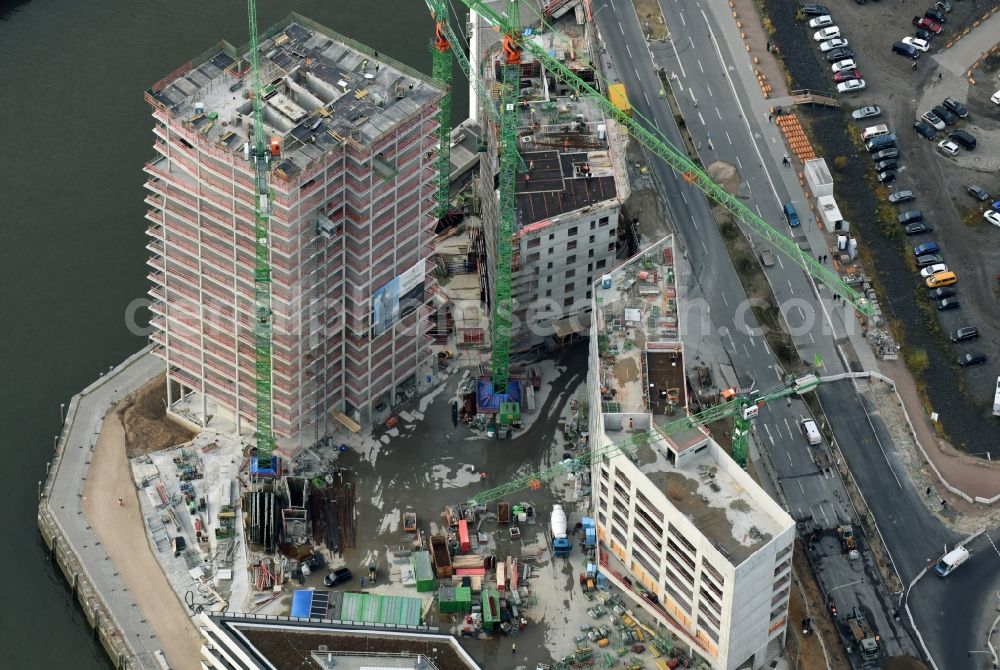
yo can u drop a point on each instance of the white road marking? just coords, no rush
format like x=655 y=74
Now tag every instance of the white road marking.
x=738 y=161
x=613 y=5
x=627 y=49
x=825 y=517
x=723 y=296
x=709 y=89
x=720 y=115
x=701 y=118
x=728 y=137
x=789 y=457
x=789 y=429
x=800 y=487
x=620 y=28
x=778 y=258
x=637 y=74
x=646 y=99
x=680 y=83
x=790 y=285
x=684 y=197
x=732 y=342
x=681 y=63
x=691 y=41
x=702 y=242
x=768 y=431
x=701 y=67
x=746 y=350
x=681 y=14
x=811 y=338
x=755 y=206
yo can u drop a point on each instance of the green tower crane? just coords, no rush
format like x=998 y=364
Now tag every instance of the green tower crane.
x=441 y=70
x=654 y=140
x=744 y=405
x=509 y=90
x=262 y=264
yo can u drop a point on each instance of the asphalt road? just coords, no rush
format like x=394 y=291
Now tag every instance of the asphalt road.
x=812 y=498
x=710 y=75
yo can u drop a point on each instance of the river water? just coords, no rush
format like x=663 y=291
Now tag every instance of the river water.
x=76 y=133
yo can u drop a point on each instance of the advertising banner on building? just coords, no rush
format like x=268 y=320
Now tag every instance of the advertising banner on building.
x=397 y=298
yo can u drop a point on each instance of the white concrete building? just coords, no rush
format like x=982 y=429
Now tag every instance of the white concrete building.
x=681 y=527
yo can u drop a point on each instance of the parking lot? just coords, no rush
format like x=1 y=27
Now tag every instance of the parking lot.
x=968 y=243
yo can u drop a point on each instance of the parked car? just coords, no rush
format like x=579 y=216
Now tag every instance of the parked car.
x=887 y=164
x=821 y=21
x=943 y=5
x=965 y=138
x=993 y=217
x=931 y=119
x=910 y=216
x=867 y=112
x=837 y=53
x=926 y=248
x=933 y=270
x=886 y=177
x=904 y=49
x=945 y=114
x=880 y=142
x=940 y=279
x=941 y=293
x=964 y=333
x=843 y=66
x=922 y=34
x=918 y=228
x=974 y=358
x=338 y=576
x=847 y=75
x=957 y=107
x=826 y=34
x=924 y=129
x=948 y=303
x=901 y=196
x=995 y=98
x=814 y=10
x=835 y=43
x=852 y=86
x=891 y=152
x=935 y=16
x=977 y=192
x=929 y=259
x=948 y=147
x=916 y=43
x=924 y=23
x=995 y=206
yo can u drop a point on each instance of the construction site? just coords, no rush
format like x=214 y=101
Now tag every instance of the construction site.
x=406 y=425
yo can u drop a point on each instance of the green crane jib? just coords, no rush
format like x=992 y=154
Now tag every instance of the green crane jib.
x=262 y=266
x=655 y=141
x=509 y=89
x=743 y=407
x=441 y=70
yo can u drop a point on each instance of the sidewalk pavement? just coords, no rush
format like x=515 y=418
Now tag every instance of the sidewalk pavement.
x=970 y=48
x=971 y=475
x=121 y=530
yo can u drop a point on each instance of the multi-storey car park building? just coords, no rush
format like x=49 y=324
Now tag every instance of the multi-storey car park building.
x=570 y=186
x=681 y=527
x=352 y=198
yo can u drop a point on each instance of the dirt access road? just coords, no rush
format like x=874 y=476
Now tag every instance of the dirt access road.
x=893 y=85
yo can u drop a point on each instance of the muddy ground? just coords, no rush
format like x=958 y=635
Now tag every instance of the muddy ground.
x=147 y=427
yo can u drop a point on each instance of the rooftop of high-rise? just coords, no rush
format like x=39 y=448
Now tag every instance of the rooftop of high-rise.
x=320 y=90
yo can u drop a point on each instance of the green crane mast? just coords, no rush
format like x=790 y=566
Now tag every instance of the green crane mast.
x=743 y=407
x=441 y=70
x=509 y=90
x=655 y=141
x=262 y=264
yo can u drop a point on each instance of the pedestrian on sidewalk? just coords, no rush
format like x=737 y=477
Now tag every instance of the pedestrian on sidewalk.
x=513 y=648
x=121 y=502
x=770 y=118
x=914 y=65
x=939 y=76
x=928 y=492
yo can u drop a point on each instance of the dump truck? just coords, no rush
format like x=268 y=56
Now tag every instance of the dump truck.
x=560 y=542
x=441 y=556
x=618 y=98
x=867 y=642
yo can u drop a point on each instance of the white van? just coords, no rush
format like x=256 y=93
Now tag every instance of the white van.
x=874 y=131
x=811 y=431
x=951 y=560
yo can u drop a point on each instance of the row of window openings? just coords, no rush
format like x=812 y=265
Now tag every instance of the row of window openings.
x=570 y=246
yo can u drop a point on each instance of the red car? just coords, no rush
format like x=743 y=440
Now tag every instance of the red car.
x=926 y=24
x=847 y=75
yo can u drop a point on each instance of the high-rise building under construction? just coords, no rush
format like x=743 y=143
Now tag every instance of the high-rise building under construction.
x=352 y=218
